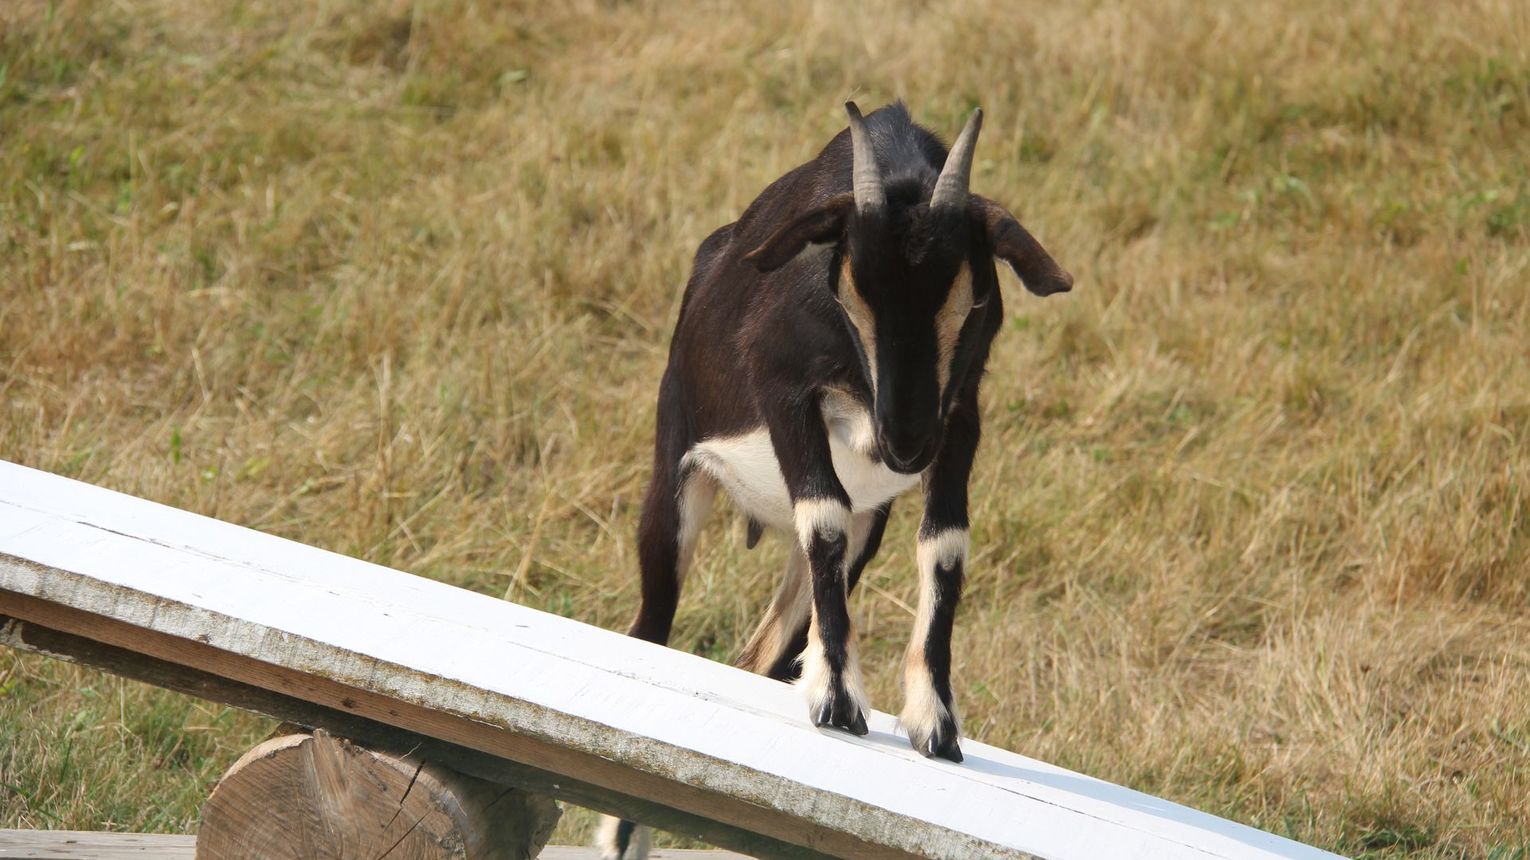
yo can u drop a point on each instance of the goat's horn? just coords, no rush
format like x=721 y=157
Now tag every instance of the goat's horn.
x=951 y=187
x=865 y=178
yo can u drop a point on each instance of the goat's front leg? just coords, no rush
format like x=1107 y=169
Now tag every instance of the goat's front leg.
x=929 y=711
x=831 y=674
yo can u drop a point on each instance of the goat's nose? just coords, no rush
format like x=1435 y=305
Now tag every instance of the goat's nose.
x=902 y=451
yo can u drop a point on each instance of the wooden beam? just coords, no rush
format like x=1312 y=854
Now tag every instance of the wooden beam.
x=578 y=702
x=88 y=845
x=29 y=636
x=85 y=845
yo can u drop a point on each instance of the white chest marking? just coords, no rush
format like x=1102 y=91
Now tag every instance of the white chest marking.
x=745 y=465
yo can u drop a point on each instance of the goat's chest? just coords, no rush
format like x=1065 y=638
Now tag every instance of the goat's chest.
x=746 y=467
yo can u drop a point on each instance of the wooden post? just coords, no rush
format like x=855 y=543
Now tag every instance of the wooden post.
x=304 y=796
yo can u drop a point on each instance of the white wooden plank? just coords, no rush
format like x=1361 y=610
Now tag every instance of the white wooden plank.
x=650 y=708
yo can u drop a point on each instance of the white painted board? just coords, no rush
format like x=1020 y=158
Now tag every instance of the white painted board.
x=648 y=707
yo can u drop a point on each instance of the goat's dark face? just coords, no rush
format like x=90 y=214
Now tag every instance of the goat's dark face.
x=916 y=282
x=907 y=290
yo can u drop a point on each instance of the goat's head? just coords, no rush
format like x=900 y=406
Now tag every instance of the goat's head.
x=916 y=283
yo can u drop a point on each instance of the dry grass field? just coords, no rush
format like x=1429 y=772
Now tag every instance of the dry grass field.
x=1251 y=518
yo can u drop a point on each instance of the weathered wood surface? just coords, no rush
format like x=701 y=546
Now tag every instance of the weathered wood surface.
x=30 y=636
x=85 y=845
x=306 y=795
x=578 y=702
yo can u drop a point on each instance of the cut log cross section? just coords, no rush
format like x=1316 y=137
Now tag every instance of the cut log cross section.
x=306 y=796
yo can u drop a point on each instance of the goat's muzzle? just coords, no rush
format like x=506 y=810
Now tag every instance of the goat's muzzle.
x=907 y=454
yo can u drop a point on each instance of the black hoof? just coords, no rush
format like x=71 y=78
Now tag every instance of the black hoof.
x=858 y=727
x=839 y=712
x=942 y=743
x=946 y=748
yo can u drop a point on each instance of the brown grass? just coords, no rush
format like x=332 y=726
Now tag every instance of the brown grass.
x=1252 y=515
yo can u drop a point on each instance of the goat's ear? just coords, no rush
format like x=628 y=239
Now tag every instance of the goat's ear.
x=818 y=226
x=1015 y=245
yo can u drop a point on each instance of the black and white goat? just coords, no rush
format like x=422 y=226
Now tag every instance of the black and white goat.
x=827 y=359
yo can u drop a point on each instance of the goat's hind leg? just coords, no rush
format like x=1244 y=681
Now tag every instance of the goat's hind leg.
x=775 y=649
x=778 y=640
x=674 y=511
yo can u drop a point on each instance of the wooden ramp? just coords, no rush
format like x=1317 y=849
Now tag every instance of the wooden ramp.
x=530 y=699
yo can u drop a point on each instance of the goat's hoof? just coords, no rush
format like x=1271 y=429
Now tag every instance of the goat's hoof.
x=840 y=712
x=858 y=728
x=946 y=748
x=943 y=742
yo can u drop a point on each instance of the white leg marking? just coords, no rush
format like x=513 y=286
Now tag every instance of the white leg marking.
x=695 y=504
x=923 y=711
x=817 y=678
x=641 y=844
x=817 y=681
x=826 y=517
x=606 y=840
x=943 y=549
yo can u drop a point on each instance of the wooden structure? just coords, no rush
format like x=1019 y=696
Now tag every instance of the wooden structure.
x=76 y=845
x=300 y=795
x=526 y=699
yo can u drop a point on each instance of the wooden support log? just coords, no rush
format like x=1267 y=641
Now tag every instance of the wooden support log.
x=301 y=796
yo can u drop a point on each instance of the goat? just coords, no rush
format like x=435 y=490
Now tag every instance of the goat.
x=826 y=359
